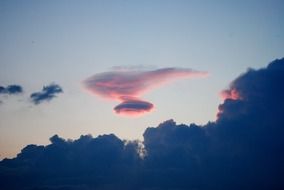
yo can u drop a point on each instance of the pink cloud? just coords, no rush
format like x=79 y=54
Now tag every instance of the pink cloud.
x=127 y=86
x=230 y=94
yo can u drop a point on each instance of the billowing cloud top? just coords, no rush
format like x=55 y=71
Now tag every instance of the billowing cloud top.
x=128 y=86
x=48 y=93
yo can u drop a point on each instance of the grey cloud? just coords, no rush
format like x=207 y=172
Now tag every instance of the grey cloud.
x=46 y=94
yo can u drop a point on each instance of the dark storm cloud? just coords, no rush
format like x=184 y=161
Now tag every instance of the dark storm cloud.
x=242 y=149
x=11 y=89
x=46 y=94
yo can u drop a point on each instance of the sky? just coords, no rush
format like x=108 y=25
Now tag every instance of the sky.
x=50 y=43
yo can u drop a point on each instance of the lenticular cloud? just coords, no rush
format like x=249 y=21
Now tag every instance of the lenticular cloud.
x=133 y=107
x=127 y=86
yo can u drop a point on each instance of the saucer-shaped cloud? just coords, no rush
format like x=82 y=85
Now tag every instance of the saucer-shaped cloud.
x=133 y=107
x=118 y=84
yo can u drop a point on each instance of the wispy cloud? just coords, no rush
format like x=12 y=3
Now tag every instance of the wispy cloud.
x=48 y=93
x=129 y=85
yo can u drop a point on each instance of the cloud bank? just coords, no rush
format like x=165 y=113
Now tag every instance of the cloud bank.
x=127 y=86
x=242 y=149
x=46 y=94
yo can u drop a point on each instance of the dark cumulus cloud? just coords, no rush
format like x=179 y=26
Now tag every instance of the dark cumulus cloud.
x=242 y=149
x=11 y=89
x=128 y=85
x=46 y=94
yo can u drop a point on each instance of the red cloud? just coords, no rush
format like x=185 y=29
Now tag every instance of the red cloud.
x=128 y=85
x=230 y=94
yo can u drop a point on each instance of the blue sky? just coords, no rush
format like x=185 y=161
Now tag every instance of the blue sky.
x=67 y=41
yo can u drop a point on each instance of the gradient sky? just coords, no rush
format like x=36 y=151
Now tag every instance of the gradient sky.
x=67 y=41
